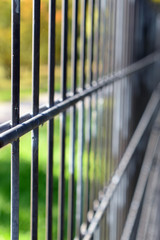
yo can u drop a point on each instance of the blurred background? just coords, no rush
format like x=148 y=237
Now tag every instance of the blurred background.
x=146 y=40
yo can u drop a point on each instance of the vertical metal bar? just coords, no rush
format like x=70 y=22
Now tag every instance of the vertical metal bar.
x=105 y=133
x=63 y=117
x=130 y=45
x=108 y=162
x=88 y=152
x=104 y=39
x=35 y=109
x=94 y=117
x=118 y=48
x=124 y=50
x=98 y=39
x=99 y=120
x=123 y=203
x=126 y=100
x=101 y=98
x=126 y=81
x=97 y=76
x=83 y=41
x=73 y=123
x=132 y=30
x=92 y=5
x=92 y=9
x=81 y=119
x=96 y=148
x=105 y=227
x=114 y=35
x=95 y=145
x=91 y=158
x=102 y=237
x=109 y=35
x=71 y=200
x=128 y=16
x=121 y=81
x=74 y=44
x=79 y=202
x=114 y=2
x=105 y=72
x=104 y=140
x=111 y=46
x=130 y=59
x=15 y=76
x=109 y=91
x=104 y=119
x=62 y=179
x=95 y=109
x=118 y=212
x=64 y=47
x=51 y=66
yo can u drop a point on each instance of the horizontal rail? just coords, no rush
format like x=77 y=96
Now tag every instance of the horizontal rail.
x=19 y=130
x=8 y=125
x=151 y=109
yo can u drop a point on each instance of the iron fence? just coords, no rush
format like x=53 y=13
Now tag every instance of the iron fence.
x=103 y=115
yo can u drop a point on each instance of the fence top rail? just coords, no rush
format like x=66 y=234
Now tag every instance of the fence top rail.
x=20 y=129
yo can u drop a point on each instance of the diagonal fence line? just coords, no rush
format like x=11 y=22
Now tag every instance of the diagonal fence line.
x=141 y=189
x=151 y=109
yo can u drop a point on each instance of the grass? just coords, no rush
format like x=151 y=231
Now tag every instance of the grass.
x=25 y=167
x=26 y=82
x=24 y=188
x=25 y=163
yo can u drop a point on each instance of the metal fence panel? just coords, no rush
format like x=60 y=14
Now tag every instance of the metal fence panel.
x=101 y=109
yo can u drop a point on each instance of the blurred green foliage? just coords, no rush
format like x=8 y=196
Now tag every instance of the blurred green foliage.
x=5 y=35
x=26 y=33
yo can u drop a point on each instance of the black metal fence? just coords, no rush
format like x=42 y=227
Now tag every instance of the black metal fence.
x=102 y=111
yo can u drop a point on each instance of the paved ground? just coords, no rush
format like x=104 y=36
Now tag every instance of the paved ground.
x=25 y=107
